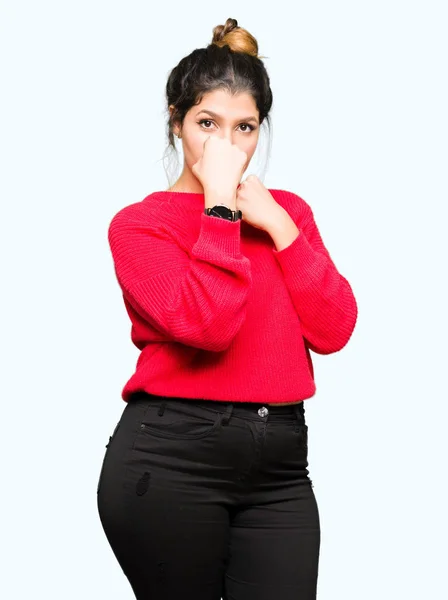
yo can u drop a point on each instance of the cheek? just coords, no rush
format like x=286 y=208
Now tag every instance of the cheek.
x=193 y=149
x=249 y=149
x=193 y=145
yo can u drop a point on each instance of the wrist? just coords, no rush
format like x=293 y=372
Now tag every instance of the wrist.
x=283 y=230
x=213 y=197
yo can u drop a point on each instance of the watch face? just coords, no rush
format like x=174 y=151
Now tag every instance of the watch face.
x=222 y=211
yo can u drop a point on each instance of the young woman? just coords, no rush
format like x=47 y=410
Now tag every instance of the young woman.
x=204 y=491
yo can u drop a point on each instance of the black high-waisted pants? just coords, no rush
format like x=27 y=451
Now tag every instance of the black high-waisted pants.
x=204 y=500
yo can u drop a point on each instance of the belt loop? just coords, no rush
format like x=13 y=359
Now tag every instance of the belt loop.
x=162 y=408
x=227 y=414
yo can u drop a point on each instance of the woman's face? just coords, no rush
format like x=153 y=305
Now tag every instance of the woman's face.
x=234 y=117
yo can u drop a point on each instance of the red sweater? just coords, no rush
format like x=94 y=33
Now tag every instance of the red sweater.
x=217 y=312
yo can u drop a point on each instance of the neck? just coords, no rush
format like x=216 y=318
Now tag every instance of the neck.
x=187 y=183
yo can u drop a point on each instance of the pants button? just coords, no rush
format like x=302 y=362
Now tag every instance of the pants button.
x=263 y=411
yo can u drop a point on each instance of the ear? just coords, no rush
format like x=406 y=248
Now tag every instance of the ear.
x=175 y=126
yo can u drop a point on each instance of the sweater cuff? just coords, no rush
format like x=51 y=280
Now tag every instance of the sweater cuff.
x=218 y=236
x=301 y=262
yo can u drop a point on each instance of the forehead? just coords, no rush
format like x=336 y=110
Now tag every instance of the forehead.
x=224 y=104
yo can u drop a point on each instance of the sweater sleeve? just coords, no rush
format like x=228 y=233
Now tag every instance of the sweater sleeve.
x=197 y=298
x=323 y=298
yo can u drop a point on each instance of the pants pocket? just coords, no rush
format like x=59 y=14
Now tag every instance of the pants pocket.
x=111 y=437
x=178 y=421
x=301 y=433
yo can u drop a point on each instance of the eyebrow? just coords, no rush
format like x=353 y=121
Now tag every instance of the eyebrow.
x=216 y=116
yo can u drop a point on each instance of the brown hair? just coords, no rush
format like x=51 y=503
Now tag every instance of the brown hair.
x=231 y=62
x=239 y=39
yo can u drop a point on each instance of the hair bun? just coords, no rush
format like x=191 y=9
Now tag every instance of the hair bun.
x=237 y=38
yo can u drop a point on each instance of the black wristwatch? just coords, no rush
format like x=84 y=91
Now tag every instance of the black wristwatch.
x=223 y=212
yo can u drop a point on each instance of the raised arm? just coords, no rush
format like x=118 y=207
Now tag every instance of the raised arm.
x=198 y=299
x=323 y=298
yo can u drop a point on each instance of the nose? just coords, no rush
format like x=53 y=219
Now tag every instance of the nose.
x=227 y=134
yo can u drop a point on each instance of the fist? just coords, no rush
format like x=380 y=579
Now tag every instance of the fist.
x=221 y=166
x=257 y=204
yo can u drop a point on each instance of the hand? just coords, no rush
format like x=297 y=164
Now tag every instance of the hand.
x=257 y=204
x=220 y=167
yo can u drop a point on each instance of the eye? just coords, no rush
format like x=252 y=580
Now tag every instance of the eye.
x=251 y=127
x=204 y=121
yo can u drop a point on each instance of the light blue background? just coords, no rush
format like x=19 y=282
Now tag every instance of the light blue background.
x=360 y=131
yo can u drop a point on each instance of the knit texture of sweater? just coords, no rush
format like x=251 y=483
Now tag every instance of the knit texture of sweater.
x=216 y=311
